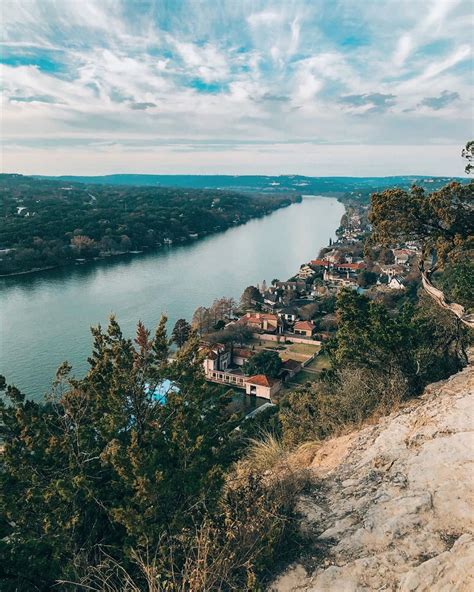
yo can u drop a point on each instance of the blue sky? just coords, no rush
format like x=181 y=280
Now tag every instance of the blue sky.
x=316 y=87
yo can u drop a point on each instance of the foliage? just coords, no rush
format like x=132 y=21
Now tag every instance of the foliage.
x=235 y=333
x=345 y=399
x=266 y=362
x=457 y=282
x=181 y=332
x=103 y=465
x=50 y=223
x=231 y=549
x=366 y=278
x=442 y=221
x=214 y=318
x=468 y=154
x=250 y=297
x=369 y=336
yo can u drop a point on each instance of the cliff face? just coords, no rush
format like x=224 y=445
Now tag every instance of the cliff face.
x=392 y=506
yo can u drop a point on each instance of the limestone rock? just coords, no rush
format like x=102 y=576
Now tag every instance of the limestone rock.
x=394 y=502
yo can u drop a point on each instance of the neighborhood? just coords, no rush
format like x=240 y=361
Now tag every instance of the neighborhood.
x=290 y=320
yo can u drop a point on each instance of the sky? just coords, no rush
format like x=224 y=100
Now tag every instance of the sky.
x=315 y=87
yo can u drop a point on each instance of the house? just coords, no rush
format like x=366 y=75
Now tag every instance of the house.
x=298 y=287
x=350 y=267
x=305 y=272
x=223 y=365
x=217 y=357
x=396 y=283
x=402 y=256
x=261 y=322
x=306 y=328
x=333 y=256
x=392 y=270
x=261 y=385
x=240 y=355
x=271 y=299
x=288 y=314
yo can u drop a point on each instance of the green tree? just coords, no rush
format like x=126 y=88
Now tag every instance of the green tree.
x=468 y=154
x=442 y=221
x=264 y=362
x=366 y=278
x=181 y=332
x=102 y=464
x=250 y=297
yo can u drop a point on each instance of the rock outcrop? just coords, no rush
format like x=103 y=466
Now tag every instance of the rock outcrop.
x=392 y=506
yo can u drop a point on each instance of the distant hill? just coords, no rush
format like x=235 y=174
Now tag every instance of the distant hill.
x=264 y=183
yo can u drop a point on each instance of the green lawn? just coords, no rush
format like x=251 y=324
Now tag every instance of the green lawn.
x=319 y=363
x=307 y=349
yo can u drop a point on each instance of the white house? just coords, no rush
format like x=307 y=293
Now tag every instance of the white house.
x=396 y=283
x=262 y=386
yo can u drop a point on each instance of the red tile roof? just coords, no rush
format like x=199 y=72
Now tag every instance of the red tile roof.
x=304 y=325
x=261 y=380
x=356 y=266
x=319 y=262
x=242 y=352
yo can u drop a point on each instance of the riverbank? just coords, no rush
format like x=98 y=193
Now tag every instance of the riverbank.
x=169 y=244
x=45 y=317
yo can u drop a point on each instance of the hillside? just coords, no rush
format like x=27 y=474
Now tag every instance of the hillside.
x=354 y=188
x=391 y=505
x=46 y=223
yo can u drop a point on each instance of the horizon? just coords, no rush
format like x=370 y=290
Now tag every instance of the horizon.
x=263 y=87
x=118 y=174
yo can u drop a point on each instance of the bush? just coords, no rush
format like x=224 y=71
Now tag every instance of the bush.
x=341 y=400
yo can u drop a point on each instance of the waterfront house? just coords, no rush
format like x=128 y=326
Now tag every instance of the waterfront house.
x=271 y=299
x=261 y=385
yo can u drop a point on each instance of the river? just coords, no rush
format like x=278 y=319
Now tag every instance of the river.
x=45 y=317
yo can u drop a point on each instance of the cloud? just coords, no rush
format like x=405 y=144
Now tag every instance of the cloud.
x=141 y=106
x=444 y=99
x=264 y=71
x=369 y=103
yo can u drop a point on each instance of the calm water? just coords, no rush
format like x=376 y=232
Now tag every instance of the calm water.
x=45 y=318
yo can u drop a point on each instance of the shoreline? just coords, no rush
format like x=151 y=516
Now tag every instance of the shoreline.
x=180 y=242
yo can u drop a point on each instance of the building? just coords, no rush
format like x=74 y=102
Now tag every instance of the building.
x=396 y=283
x=298 y=287
x=217 y=357
x=288 y=314
x=306 y=328
x=262 y=386
x=305 y=272
x=240 y=355
x=271 y=299
x=261 y=322
x=289 y=369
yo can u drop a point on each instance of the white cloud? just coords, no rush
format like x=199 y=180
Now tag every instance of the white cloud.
x=263 y=71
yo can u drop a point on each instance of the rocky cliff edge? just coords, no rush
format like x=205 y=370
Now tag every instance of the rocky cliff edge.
x=392 y=506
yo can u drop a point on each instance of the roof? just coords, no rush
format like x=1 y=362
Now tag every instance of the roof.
x=319 y=262
x=261 y=380
x=304 y=325
x=243 y=352
x=291 y=364
x=289 y=310
x=256 y=317
x=359 y=265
